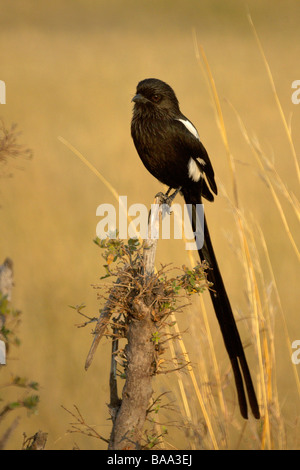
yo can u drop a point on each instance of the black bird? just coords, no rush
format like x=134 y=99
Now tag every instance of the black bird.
x=170 y=148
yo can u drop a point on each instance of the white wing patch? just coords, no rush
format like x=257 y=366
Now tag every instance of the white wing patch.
x=190 y=127
x=194 y=172
x=201 y=161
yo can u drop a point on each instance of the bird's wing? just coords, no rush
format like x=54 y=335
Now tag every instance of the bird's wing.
x=188 y=138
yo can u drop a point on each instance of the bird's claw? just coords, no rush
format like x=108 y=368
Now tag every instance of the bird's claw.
x=166 y=199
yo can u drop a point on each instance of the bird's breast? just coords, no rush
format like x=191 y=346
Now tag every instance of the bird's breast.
x=158 y=152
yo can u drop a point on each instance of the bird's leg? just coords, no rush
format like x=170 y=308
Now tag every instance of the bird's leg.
x=172 y=197
x=165 y=198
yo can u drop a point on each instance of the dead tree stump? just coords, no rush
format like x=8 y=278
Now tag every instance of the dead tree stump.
x=129 y=413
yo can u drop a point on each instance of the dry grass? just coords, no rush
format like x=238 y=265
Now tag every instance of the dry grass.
x=272 y=435
x=72 y=78
x=263 y=299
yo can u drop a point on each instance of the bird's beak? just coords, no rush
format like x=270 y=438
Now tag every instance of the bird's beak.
x=138 y=98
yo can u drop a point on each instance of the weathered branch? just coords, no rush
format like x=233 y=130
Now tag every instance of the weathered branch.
x=102 y=323
x=6 y=278
x=149 y=262
x=150 y=244
x=129 y=422
x=140 y=353
x=36 y=442
x=8 y=432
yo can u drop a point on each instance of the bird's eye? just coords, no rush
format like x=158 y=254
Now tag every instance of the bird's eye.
x=155 y=98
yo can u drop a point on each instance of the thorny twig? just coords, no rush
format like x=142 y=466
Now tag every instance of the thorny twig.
x=81 y=426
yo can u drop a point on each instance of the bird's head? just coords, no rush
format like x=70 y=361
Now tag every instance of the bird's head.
x=155 y=95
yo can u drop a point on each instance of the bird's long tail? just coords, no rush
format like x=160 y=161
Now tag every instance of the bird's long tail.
x=225 y=317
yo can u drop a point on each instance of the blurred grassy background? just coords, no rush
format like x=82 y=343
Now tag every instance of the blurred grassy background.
x=71 y=68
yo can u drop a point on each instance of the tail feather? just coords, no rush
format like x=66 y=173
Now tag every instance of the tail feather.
x=226 y=319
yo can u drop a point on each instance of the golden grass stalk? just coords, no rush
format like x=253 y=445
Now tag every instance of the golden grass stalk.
x=204 y=405
x=184 y=397
x=196 y=388
x=212 y=351
x=261 y=344
x=260 y=301
x=275 y=288
x=199 y=52
x=99 y=176
x=260 y=335
x=90 y=166
x=243 y=240
x=258 y=155
x=284 y=121
x=259 y=329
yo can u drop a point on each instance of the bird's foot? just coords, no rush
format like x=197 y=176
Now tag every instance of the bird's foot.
x=165 y=198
